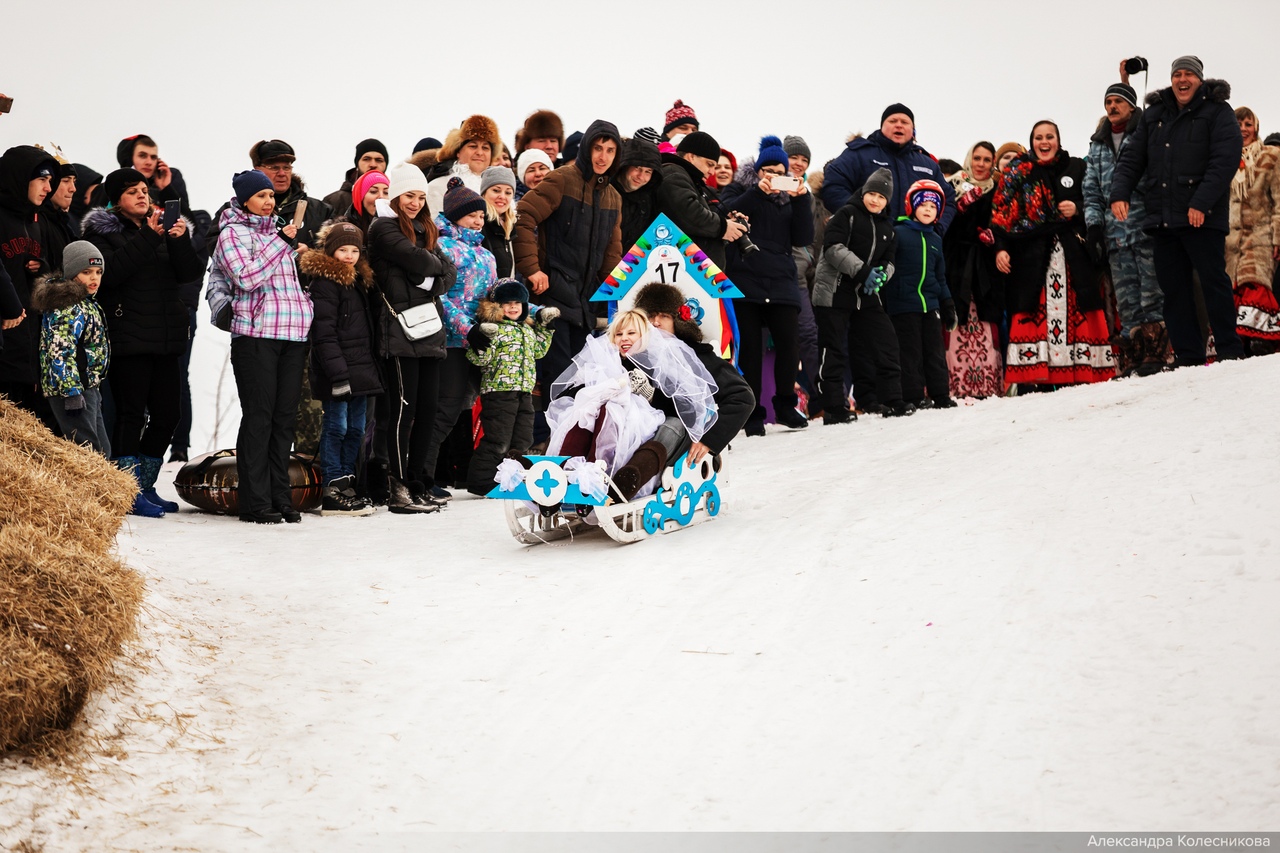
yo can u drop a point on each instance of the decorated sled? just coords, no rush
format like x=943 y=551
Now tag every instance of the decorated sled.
x=558 y=497
x=665 y=254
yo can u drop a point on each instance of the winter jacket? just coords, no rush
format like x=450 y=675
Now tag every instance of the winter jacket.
x=1025 y=220
x=501 y=247
x=20 y=242
x=972 y=276
x=734 y=398
x=1255 y=216
x=257 y=263
x=476 y=275
x=437 y=187
x=686 y=199
x=1189 y=157
x=342 y=330
x=340 y=199
x=639 y=207
x=779 y=223
x=74 y=347
x=919 y=282
x=317 y=213
x=857 y=241
x=509 y=362
x=57 y=230
x=570 y=229
x=400 y=266
x=1098 y=176
x=142 y=274
x=845 y=175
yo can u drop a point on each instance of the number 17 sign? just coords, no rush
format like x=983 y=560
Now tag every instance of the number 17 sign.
x=665 y=254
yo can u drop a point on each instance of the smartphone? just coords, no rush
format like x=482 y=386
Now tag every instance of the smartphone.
x=172 y=210
x=785 y=184
x=6 y=104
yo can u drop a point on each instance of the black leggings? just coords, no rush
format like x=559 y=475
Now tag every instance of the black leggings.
x=414 y=389
x=783 y=322
x=147 y=390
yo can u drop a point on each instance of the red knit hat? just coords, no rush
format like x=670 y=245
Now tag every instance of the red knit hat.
x=680 y=114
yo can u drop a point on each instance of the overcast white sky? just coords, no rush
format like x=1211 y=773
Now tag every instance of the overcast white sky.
x=209 y=79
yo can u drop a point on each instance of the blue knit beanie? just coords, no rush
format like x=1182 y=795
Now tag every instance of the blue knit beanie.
x=248 y=184
x=772 y=154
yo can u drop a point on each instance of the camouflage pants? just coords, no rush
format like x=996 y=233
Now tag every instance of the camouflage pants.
x=306 y=438
x=1133 y=274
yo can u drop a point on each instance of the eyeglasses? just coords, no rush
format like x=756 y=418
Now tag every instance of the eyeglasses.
x=277 y=167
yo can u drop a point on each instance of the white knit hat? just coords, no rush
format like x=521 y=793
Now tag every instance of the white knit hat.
x=528 y=157
x=405 y=177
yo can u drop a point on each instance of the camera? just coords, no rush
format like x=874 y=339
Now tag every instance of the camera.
x=1135 y=65
x=744 y=244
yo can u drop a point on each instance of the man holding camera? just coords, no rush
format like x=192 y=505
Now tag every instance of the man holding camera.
x=1122 y=245
x=1185 y=152
x=892 y=147
x=683 y=196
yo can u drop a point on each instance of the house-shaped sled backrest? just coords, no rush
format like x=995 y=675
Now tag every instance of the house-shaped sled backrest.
x=665 y=254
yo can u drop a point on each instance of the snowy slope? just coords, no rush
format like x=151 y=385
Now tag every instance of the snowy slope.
x=1048 y=613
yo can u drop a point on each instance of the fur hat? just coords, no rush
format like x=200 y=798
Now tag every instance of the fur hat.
x=364 y=146
x=701 y=145
x=680 y=114
x=248 y=184
x=496 y=176
x=881 y=181
x=530 y=156
x=403 y=178
x=923 y=191
x=542 y=124
x=796 y=145
x=342 y=234
x=476 y=127
x=459 y=201
x=895 y=109
x=1188 y=63
x=659 y=298
x=269 y=151
x=120 y=180
x=80 y=256
x=771 y=154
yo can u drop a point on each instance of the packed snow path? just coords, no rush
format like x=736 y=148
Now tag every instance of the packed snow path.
x=1049 y=613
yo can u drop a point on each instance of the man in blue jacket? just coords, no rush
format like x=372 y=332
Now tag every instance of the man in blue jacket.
x=1187 y=146
x=892 y=147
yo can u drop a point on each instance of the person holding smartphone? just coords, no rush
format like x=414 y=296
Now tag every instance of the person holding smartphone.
x=147 y=323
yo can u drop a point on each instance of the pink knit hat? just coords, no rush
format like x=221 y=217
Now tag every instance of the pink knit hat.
x=369 y=179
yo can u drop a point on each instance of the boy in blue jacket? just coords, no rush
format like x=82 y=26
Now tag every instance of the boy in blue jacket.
x=918 y=301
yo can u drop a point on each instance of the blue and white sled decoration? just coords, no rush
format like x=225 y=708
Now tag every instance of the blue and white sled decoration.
x=665 y=254
x=550 y=502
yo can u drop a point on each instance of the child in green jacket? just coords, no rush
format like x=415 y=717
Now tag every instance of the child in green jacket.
x=507 y=347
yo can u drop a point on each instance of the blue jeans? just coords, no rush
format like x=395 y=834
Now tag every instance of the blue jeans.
x=340 y=436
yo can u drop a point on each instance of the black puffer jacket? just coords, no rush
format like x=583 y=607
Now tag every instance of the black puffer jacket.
x=779 y=223
x=639 y=207
x=399 y=266
x=1189 y=155
x=734 y=398
x=500 y=246
x=686 y=199
x=342 y=330
x=20 y=242
x=141 y=283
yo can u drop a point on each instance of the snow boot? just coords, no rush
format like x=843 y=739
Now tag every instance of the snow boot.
x=645 y=464
x=375 y=482
x=338 y=502
x=420 y=490
x=148 y=470
x=269 y=517
x=832 y=415
x=900 y=409
x=785 y=413
x=400 y=499
x=141 y=506
x=1155 y=351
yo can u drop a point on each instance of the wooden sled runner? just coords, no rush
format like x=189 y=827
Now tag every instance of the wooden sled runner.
x=549 y=503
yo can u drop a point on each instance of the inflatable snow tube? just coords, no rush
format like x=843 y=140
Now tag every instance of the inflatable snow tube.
x=211 y=483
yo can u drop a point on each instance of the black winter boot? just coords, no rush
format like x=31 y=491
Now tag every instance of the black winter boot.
x=784 y=411
x=647 y=462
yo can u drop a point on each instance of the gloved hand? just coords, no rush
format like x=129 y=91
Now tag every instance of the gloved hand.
x=547 y=316
x=962 y=204
x=875 y=280
x=949 y=315
x=640 y=384
x=341 y=390
x=73 y=405
x=1096 y=242
x=223 y=320
x=478 y=337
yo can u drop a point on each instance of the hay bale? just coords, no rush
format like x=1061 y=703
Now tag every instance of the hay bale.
x=67 y=603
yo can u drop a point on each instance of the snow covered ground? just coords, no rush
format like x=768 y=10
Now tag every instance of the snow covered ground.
x=1049 y=613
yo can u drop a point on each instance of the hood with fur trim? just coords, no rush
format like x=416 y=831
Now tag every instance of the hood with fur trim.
x=315 y=263
x=52 y=292
x=105 y=220
x=1218 y=91
x=491 y=312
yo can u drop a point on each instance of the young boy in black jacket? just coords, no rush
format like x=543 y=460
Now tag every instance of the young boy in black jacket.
x=857 y=259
